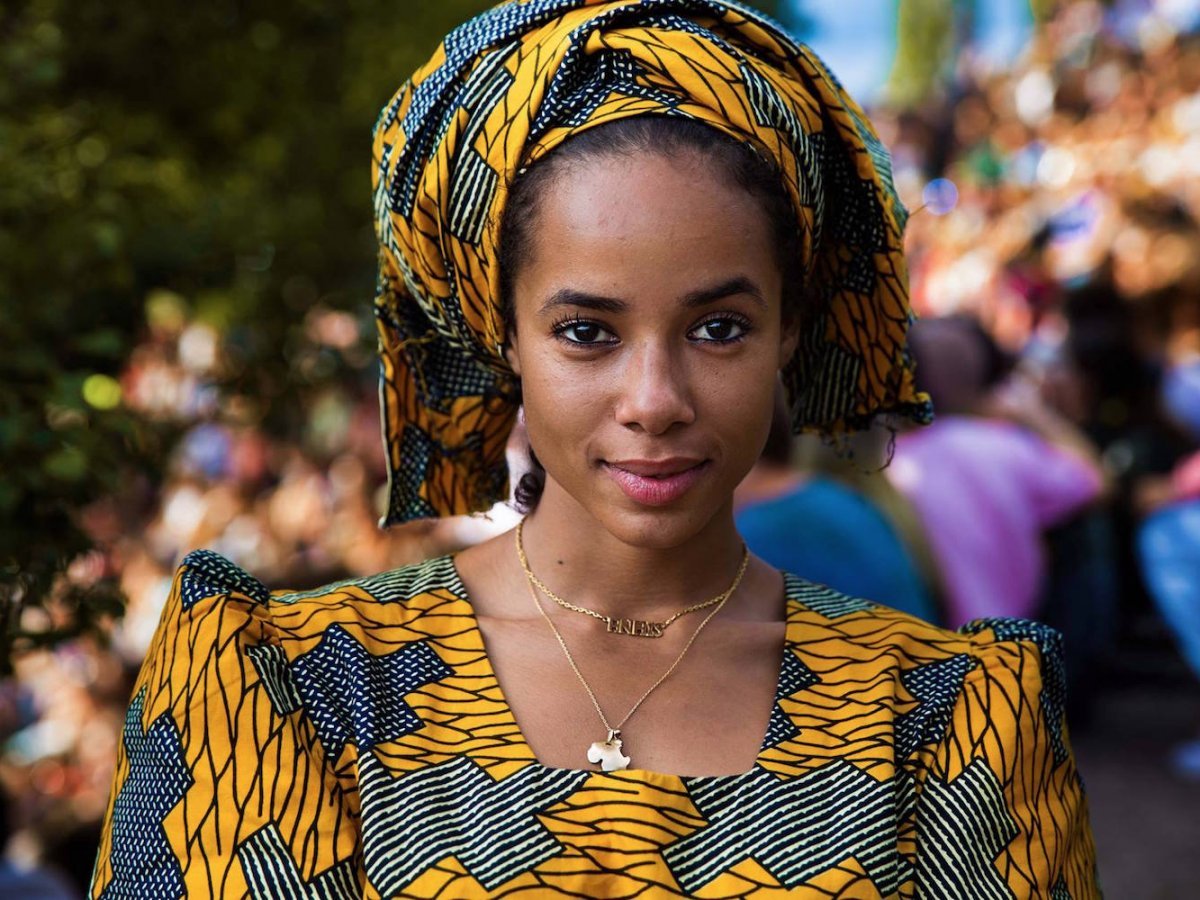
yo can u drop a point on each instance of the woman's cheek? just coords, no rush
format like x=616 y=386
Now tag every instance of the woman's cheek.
x=562 y=400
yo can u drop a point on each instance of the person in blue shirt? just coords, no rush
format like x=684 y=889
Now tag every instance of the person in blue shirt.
x=826 y=531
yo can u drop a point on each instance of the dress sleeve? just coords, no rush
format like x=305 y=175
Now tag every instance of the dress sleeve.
x=1001 y=810
x=222 y=788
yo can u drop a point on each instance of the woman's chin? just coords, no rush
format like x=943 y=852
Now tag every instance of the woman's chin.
x=656 y=528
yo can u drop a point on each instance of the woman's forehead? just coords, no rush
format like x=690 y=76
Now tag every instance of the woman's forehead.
x=629 y=217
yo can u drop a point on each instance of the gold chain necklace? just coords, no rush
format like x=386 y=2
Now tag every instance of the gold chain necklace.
x=609 y=751
x=633 y=627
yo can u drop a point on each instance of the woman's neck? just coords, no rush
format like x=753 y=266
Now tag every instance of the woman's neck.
x=583 y=562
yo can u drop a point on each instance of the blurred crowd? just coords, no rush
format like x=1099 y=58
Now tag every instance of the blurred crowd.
x=1055 y=260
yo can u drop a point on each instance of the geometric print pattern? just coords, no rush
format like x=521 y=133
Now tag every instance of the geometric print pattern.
x=354 y=696
x=966 y=826
x=794 y=677
x=354 y=741
x=510 y=86
x=936 y=687
x=827 y=397
x=271 y=664
x=798 y=845
x=271 y=872
x=158 y=777
x=474 y=181
x=476 y=817
x=396 y=586
x=1049 y=642
x=594 y=79
x=436 y=97
x=206 y=572
x=825 y=600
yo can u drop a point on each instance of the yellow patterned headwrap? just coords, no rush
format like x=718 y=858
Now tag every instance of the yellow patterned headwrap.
x=508 y=87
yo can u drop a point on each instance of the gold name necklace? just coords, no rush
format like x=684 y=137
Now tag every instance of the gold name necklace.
x=608 y=752
x=626 y=626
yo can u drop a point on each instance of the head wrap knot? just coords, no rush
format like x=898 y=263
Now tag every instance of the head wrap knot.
x=509 y=86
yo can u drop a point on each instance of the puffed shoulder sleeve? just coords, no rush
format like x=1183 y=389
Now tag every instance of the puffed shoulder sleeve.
x=1001 y=810
x=222 y=788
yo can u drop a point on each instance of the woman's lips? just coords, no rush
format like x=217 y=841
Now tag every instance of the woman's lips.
x=656 y=483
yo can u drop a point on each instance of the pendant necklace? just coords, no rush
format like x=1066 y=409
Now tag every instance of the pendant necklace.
x=608 y=752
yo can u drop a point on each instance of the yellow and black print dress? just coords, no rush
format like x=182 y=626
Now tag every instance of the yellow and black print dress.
x=354 y=742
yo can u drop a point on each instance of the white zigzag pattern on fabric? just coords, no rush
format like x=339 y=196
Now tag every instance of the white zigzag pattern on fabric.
x=271 y=872
x=821 y=599
x=395 y=586
x=784 y=825
x=271 y=663
x=456 y=809
x=962 y=826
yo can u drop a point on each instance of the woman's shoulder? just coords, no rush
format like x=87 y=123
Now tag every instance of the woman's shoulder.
x=996 y=643
x=222 y=632
x=1005 y=676
x=402 y=587
x=208 y=585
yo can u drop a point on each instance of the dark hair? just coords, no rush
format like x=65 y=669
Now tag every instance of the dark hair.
x=734 y=161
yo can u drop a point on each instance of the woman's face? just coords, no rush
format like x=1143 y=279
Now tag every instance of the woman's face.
x=648 y=340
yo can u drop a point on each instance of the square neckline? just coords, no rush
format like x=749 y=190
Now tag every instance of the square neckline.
x=651 y=775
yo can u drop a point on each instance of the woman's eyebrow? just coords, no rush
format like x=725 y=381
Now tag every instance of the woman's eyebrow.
x=701 y=297
x=739 y=285
x=571 y=297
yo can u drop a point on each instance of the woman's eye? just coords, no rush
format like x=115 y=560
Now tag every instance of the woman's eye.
x=584 y=332
x=719 y=331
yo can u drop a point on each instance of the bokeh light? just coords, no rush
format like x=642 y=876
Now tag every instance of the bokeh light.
x=940 y=196
x=102 y=392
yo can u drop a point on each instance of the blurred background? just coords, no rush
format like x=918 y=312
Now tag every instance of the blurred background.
x=186 y=269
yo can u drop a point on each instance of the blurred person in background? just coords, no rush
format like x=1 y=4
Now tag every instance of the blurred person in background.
x=1168 y=505
x=991 y=474
x=1104 y=374
x=1169 y=550
x=576 y=219
x=21 y=879
x=809 y=522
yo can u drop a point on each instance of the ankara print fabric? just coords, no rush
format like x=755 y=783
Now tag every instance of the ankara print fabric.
x=508 y=87
x=353 y=742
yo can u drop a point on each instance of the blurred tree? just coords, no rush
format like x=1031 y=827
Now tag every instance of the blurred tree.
x=1043 y=9
x=928 y=35
x=924 y=41
x=218 y=151
x=216 y=154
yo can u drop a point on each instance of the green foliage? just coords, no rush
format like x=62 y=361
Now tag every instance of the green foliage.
x=1043 y=9
x=215 y=151
x=924 y=41
x=219 y=151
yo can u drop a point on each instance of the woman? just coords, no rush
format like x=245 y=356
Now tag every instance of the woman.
x=630 y=218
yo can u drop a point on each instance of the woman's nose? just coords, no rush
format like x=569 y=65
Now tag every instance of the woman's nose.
x=654 y=392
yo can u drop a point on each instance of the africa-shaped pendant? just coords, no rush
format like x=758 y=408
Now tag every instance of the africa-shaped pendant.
x=608 y=753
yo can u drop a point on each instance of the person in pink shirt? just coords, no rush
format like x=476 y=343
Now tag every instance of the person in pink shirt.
x=990 y=475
